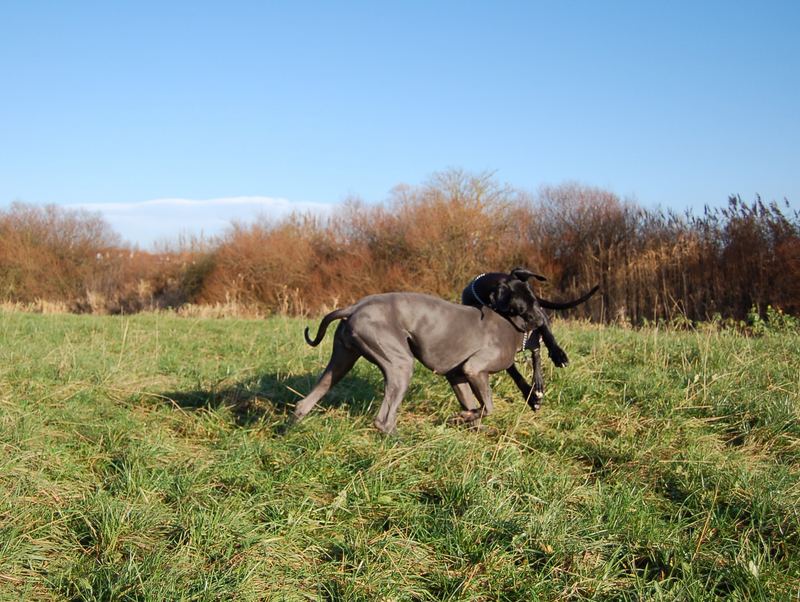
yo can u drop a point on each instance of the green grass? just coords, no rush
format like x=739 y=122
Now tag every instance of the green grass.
x=145 y=458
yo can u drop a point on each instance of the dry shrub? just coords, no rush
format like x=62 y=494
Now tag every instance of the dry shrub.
x=785 y=278
x=72 y=258
x=49 y=253
x=586 y=233
x=433 y=238
x=129 y=281
x=436 y=237
x=653 y=265
x=261 y=265
x=446 y=231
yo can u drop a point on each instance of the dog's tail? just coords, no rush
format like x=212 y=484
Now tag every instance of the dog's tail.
x=567 y=304
x=337 y=314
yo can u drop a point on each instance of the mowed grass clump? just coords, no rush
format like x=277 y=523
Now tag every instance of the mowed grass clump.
x=146 y=458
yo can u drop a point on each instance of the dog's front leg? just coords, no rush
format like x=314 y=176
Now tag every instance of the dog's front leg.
x=535 y=399
x=533 y=396
x=557 y=354
x=478 y=380
x=470 y=412
x=520 y=381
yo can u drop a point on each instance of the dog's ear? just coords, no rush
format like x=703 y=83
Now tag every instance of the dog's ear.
x=500 y=297
x=524 y=274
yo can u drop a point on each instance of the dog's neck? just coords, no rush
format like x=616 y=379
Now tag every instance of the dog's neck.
x=474 y=290
x=485 y=282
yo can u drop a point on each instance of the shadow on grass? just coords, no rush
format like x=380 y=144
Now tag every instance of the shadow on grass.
x=274 y=395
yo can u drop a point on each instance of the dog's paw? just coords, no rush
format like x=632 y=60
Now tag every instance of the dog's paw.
x=535 y=399
x=387 y=430
x=455 y=420
x=469 y=417
x=559 y=357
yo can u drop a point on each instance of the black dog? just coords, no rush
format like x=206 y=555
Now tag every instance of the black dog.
x=505 y=294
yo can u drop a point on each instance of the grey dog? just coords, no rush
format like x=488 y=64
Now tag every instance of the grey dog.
x=465 y=344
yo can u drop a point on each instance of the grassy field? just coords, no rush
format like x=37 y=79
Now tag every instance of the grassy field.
x=146 y=458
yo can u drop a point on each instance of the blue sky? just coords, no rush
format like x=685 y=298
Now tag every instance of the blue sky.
x=176 y=117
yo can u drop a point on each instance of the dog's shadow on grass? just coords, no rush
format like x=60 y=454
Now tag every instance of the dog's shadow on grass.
x=275 y=395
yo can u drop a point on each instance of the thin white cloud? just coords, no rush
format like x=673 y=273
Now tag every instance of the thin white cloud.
x=147 y=222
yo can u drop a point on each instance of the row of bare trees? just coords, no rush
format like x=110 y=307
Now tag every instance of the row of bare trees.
x=435 y=237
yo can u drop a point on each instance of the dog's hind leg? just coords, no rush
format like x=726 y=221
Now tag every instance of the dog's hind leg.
x=342 y=360
x=397 y=376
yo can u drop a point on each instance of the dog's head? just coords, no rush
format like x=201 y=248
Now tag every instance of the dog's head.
x=513 y=298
